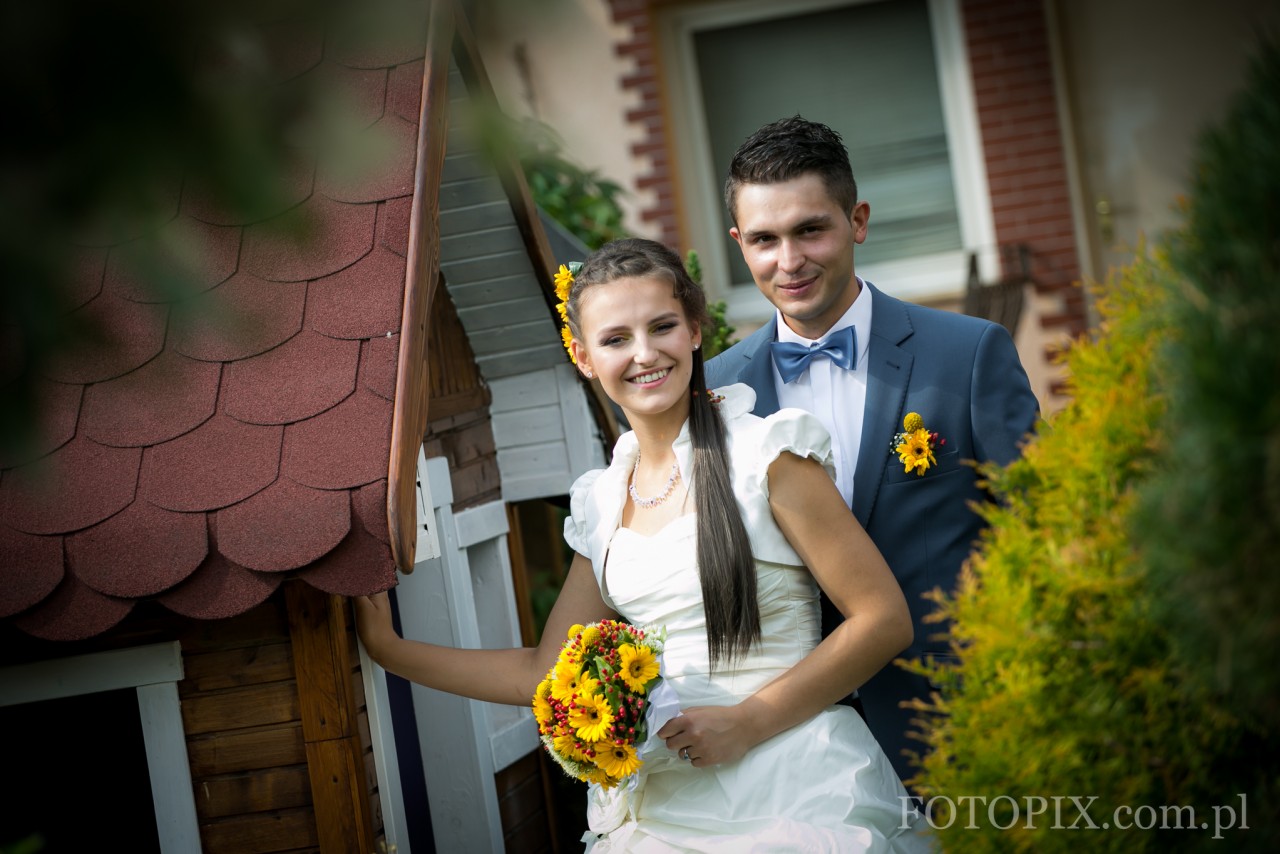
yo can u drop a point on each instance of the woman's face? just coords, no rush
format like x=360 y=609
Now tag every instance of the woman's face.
x=638 y=341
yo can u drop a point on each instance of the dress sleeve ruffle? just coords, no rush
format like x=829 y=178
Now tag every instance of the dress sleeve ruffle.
x=754 y=444
x=794 y=431
x=577 y=526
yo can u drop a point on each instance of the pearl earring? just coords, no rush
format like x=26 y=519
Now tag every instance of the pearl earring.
x=587 y=372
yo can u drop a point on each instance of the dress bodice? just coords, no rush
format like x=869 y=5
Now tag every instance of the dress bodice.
x=653 y=581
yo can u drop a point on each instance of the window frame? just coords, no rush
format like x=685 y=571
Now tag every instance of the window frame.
x=153 y=671
x=939 y=276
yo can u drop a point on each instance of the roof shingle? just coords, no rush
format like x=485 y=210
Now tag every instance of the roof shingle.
x=165 y=398
x=302 y=377
x=140 y=551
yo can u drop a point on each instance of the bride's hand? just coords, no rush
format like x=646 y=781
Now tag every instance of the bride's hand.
x=373 y=622
x=712 y=734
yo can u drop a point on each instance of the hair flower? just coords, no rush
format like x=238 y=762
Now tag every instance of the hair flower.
x=915 y=445
x=564 y=287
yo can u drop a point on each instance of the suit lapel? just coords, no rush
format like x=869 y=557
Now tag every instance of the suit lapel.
x=888 y=372
x=758 y=370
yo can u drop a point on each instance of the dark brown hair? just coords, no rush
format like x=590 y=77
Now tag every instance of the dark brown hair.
x=789 y=148
x=726 y=568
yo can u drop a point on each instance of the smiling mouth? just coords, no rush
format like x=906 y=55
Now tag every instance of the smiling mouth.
x=651 y=377
x=795 y=286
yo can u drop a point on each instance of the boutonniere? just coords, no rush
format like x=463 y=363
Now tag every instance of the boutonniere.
x=915 y=444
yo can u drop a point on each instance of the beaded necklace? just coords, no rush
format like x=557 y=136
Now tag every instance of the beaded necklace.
x=647 y=503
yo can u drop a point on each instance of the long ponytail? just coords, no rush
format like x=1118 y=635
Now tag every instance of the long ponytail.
x=726 y=567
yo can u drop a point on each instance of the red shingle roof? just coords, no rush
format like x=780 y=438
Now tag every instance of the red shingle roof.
x=209 y=448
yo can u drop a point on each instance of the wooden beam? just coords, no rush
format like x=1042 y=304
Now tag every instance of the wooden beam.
x=319 y=626
x=409 y=415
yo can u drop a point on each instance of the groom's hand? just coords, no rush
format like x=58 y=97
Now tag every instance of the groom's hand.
x=711 y=734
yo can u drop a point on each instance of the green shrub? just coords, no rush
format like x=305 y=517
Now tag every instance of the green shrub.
x=1115 y=629
x=1209 y=526
x=1063 y=686
x=581 y=200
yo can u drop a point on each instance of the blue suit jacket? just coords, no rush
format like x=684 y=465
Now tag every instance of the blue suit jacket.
x=963 y=376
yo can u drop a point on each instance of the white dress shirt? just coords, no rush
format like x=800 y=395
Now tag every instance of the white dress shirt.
x=836 y=396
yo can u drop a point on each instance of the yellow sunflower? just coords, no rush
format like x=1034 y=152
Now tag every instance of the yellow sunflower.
x=617 y=760
x=598 y=775
x=565 y=683
x=591 y=717
x=638 y=666
x=568 y=744
x=566 y=336
x=588 y=685
x=564 y=281
x=541 y=705
x=915 y=452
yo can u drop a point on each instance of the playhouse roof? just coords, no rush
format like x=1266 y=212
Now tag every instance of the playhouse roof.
x=212 y=447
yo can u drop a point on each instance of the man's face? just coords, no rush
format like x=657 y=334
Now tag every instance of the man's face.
x=798 y=244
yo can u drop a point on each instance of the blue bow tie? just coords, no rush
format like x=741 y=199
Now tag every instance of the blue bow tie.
x=793 y=359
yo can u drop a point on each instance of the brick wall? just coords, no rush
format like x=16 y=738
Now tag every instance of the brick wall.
x=1009 y=54
x=650 y=116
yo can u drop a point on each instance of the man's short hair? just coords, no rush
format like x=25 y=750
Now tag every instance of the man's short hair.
x=789 y=148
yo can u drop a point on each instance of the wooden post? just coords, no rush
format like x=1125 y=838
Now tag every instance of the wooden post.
x=318 y=626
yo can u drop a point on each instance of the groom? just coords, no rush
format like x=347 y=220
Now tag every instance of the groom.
x=860 y=361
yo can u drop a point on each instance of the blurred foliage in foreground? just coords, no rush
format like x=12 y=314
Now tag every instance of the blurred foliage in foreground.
x=1116 y=630
x=126 y=110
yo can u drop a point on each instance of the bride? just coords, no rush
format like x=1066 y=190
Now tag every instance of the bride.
x=720 y=526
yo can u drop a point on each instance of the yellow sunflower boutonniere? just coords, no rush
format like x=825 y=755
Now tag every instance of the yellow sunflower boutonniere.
x=600 y=705
x=915 y=444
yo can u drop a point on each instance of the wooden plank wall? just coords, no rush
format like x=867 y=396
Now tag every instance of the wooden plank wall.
x=254 y=759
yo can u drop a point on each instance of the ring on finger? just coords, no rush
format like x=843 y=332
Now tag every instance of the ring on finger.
x=684 y=754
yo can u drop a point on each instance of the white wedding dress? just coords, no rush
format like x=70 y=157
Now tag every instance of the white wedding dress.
x=821 y=786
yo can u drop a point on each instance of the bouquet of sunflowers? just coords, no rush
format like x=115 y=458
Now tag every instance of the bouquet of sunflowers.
x=596 y=707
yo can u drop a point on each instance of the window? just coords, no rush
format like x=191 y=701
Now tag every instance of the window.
x=152 y=672
x=891 y=77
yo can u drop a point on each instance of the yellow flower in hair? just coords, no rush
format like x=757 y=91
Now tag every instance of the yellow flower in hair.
x=564 y=282
x=567 y=337
x=638 y=666
x=617 y=760
x=591 y=717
